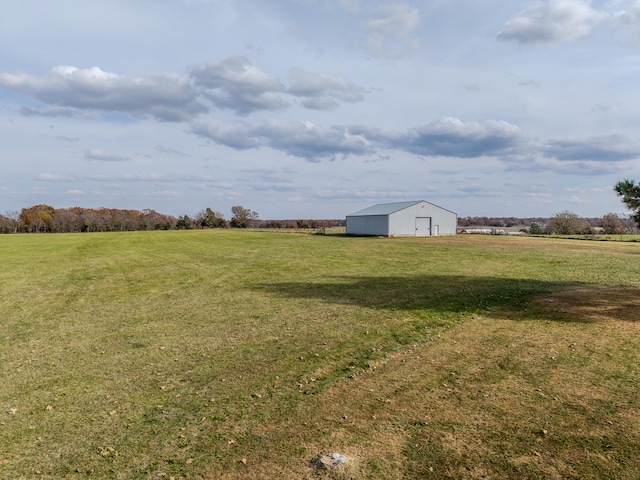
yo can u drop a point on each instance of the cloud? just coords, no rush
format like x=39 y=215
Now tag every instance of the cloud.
x=630 y=18
x=299 y=139
x=390 y=29
x=447 y=137
x=237 y=85
x=603 y=148
x=233 y=84
x=450 y=137
x=67 y=89
x=75 y=192
x=322 y=92
x=148 y=177
x=51 y=111
x=536 y=161
x=129 y=177
x=552 y=22
x=239 y=137
x=444 y=137
x=367 y=195
x=64 y=138
x=52 y=177
x=99 y=155
x=171 y=151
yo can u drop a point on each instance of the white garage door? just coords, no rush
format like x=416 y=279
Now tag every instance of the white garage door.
x=423 y=226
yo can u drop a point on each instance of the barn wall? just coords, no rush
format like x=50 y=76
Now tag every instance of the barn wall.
x=446 y=221
x=368 y=225
x=403 y=222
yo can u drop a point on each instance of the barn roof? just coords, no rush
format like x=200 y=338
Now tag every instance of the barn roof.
x=384 y=208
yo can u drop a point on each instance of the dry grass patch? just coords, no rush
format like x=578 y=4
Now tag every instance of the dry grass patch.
x=600 y=304
x=503 y=395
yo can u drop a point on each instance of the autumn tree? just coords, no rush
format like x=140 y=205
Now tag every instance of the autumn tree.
x=243 y=217
x=629 y=190
x=36 y=219
x=43 y=218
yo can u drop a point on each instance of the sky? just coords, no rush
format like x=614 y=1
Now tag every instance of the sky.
x=319 y=108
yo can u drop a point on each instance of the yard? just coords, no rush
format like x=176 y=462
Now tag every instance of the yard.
x=238 y=354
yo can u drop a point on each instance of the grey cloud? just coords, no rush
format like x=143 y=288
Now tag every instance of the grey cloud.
x=172 y=151
x=321 y=92
x=167 y=98
x=148 y=177
x=237 y=85
x=50 y=111
x=347 y=5
x=128 y=177
x=450 y=137
x=365 y=196
x=630 y=18
x=67 y=139
x=605 y=148
x=313 y=142
x=53 y=177
x=601 y=108
x=552 y=22
x=99 y=155
x=445 y=137
x=294 y=138
x=320 y=103
x=240 y=137
x=537 y=162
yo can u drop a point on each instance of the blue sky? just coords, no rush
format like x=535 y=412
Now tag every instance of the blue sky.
x=318 y=108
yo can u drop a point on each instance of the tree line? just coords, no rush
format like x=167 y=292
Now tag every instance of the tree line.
x=561 y=223
x=569 y=223
x=47 y=219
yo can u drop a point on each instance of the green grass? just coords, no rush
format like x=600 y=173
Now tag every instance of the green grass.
x=231 y=354
x=598 y=237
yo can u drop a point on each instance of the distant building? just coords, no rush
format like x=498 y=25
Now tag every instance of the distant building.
x=415 y=219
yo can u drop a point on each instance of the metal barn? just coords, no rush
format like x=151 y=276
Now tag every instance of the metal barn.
x=415 y=219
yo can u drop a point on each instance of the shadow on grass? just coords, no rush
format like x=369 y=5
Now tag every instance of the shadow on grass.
x=434 y=293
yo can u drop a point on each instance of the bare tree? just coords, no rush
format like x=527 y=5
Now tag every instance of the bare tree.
x=612 y=224
x=11 y=219
x=564 y=223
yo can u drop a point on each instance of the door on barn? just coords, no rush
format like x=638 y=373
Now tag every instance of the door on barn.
x=423 y=226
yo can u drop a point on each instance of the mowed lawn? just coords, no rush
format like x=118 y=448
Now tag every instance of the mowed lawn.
x=240 y=354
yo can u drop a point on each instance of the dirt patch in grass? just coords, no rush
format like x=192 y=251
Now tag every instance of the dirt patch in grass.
x=547 y=391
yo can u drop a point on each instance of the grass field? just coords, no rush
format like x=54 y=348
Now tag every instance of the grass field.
x=233 y=354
